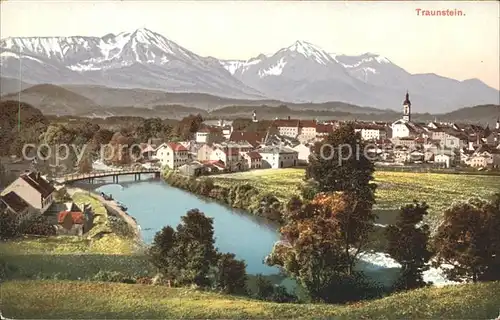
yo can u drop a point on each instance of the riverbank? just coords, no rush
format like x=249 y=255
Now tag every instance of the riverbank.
x=110 y=206
x=238 y=196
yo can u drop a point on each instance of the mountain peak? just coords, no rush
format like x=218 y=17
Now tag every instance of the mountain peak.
x=310 y=50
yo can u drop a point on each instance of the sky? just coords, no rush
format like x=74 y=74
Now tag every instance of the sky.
x=460 y=47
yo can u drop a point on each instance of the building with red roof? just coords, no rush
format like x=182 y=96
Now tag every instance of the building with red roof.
x=172 y=155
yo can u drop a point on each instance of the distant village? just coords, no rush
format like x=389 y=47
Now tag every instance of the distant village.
x=288 y=142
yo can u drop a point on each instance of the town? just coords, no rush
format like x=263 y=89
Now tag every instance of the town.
x=288 y=143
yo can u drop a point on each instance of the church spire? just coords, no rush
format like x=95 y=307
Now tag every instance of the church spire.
x=407 y=107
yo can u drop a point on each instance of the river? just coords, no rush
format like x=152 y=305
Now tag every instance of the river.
x=155 y=204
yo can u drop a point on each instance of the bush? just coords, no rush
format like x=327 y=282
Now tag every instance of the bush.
x=230 y=274
x=351 y=288
x=9 y=225
x=264 y=289
x=110 y=276
x=281 y=295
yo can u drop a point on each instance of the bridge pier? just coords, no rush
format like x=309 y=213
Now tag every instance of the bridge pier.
x=137 y=177
x=115 y=178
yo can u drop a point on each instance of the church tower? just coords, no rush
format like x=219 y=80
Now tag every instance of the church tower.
x=407 y=108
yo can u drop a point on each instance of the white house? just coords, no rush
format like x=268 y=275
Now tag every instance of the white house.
x=444 y=160
x=172 y=155
x=303 y=153
x=278 y=157
x=209 y=135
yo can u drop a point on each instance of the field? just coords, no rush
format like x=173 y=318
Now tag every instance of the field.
x=95 y=300
x=394 y=189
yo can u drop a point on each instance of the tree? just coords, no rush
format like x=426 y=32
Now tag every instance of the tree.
x=312 y=249
x=469 y=239
x=187 y=254
x=85 y=164
x=230 y=275
x=86 y=130
x=264 y=288
x=188 y=126
x=161 y=252
x=58 y=134
x=340 y=164
x=195 y=236
x=118 y=150
x=408 y=244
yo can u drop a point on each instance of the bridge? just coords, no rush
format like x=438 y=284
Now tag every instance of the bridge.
x=72 y=177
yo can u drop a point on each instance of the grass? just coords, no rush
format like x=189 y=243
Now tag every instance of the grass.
x=73 y=257
x=394 y=188
x=94 y=300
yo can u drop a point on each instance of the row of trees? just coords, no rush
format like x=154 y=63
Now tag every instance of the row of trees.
x=37 y=130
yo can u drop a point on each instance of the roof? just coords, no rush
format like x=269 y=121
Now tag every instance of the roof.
x=77 y=217
x=368 y=126
x=324 y=128
x=148 y=148
x=38 y=183
x=176 y=146
x=276 y=149
x=209 y=129
x=15 y=202
x=254 y=138
x=286 y=123
x=307 y=123
x=254 y=155
x=216 y=163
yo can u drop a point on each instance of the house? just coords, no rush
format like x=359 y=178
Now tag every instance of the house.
x=147 y=151
x=172 y=155
x=307 y=130
x=212 y=166
x=278 y=157
x=34 y=190
x=70 y=223
x=324 y=130
x=370 y=131
x=230 y=157
x=209 y=135
x=193 y=169
x=204 y=152
x=253 y=159
x=407 y=142
x=288 y=127
x=444 y=160
x=303 y=153
x=485 y=156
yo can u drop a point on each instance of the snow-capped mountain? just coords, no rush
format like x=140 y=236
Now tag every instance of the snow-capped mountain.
x=305 y=72
x=138 y=59
x=301 y=72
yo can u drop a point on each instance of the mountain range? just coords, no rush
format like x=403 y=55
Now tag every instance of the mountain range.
x=300 y=73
